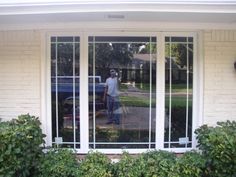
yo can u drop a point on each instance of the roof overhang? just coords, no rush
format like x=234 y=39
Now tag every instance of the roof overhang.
x=161 y=11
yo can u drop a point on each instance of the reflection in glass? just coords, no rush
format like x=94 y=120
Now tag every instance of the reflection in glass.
x=65 y=59
x=65 y=90
x=179 y=82
x=125 y=119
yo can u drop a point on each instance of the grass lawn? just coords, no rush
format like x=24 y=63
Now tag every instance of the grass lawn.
x=175 y=87
x=143 y=102
x=135 y=101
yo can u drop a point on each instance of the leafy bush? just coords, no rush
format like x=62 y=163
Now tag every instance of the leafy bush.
x=156 y=163
x=190 y=164
x=218 y=145
x=59 y=162
x=21 y=156
x=127 y=167
x=95 y=164
x=20 y=146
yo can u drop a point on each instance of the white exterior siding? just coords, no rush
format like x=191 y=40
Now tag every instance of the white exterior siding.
x=220 y=76
x=20 y=73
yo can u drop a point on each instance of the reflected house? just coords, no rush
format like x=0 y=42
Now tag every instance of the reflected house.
x=139 y=69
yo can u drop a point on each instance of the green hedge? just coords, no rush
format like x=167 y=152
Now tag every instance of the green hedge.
x=218 y=145
x=21 y=155
x=190 y=164
x=127 y=166
x=157 y=163
x=95 y=164
x=57 y=163
x=20 y=149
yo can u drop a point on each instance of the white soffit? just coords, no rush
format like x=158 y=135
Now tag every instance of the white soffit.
x=166 y=11
x=16 y=7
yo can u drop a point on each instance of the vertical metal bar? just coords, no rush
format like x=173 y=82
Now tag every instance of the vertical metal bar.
x=150 y=93
x=187 y=98
x=170 y=92
x=56 y=86
x=74 y=93
x=94 y=108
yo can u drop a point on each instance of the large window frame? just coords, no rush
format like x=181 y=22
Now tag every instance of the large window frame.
x=160 y=91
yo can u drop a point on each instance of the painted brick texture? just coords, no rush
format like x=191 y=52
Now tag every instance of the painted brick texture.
x=20 y=73
x=219 y=76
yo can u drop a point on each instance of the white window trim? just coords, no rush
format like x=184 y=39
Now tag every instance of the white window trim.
x=84 y=133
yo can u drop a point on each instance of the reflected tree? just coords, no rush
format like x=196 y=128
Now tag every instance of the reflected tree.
x=109 y=55
x=179 y=52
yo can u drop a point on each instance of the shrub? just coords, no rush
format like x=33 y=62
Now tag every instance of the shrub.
x=190 y=164
x=127 y=167
x=218 y=145
x=59 y=162
x=95 y=164
x=156 y=163
x=20 y=146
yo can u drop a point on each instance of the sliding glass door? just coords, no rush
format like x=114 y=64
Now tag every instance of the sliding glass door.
x=124 y=117
x=137 y=91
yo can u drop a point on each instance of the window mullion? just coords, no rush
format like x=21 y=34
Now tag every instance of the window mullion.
x=84 y=130
x=150 y=93
x=94 y=96
x=187 y=96
x=170 y=93
x=56 y=87
x=74 y=132
x=160 y=91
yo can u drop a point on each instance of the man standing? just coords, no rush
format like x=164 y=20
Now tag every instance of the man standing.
x=111 y=95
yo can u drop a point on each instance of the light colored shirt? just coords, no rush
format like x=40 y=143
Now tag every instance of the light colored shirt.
x=112 y=86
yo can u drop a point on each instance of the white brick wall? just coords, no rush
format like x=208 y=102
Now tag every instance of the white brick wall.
x=19 y=73
x=220 y=76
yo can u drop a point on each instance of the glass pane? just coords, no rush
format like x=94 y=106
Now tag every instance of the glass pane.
x=190 y=39
x=178 y=106
x=102 y=39
x=167 y=39
x=190 y=90
x=178 y=39
x=127 y=112
x=122 y=146
x=77 y=39
x=65 y=109
x=77 y=111
x=153 y=93
x=54 y=107
x=177 y=145
x=53 y=39
x=53 y=59
x=77 y=61
x=65 y=59
x=64 y=39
